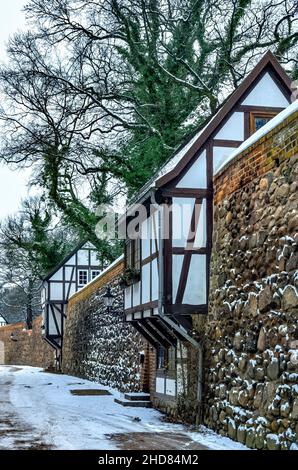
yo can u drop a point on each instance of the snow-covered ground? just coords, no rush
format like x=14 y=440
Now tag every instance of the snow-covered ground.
x=37 y=409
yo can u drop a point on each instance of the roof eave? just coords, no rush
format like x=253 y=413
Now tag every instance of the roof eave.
x=267 y=59
x=65 y=259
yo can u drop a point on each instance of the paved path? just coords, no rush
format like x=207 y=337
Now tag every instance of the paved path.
x=15 y=433
x=38 y=411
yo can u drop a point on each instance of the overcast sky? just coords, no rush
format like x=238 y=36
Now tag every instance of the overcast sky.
x=12 y=183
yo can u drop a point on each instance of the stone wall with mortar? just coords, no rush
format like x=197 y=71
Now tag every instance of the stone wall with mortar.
x=251 y=332
x=99 y=345
x=25 y=347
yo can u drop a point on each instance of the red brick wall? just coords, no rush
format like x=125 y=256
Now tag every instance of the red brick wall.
x=267 y=153
x=149 y=369
x=29 y=348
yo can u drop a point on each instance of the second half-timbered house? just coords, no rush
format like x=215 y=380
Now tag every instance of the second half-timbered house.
x=74 y=272
x=167 y=265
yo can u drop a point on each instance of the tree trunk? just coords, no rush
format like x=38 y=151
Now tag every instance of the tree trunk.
x=29 y=316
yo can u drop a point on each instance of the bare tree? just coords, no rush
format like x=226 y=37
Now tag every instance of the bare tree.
x=100 y=92
x=30 y=246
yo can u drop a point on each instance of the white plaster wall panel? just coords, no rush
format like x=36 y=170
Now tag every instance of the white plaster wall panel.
x=71 y=260
x=94 y=260
x=68 y=273
x=195 y=290
x=171 y=387
x=220 y=156
x=160 y=385
x=177 y=261
x=233 y=129
x=56 y=291
x=57 y=276
x=127 y=297
x=154 y=231
x=201 y=232
x=72 y=289
x=266 y=93
x=136 y=294
x=146 y=283
x=44 y=293
x=145 y=229
x=52 y=330
x=196 y=176
x=89 y=245
x=154 y=280
x=182 y=209
x=52 y=326
x=137 y=315
x=83 y=257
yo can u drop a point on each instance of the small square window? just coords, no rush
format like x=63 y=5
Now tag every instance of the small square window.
x=83 y=277
x=258 y=120
x=94 y=274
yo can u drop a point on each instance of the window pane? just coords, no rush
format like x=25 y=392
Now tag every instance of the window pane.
x=128 y=253
x=161 y=357
x=261 y=121
x=94 y=274
x=83 y=277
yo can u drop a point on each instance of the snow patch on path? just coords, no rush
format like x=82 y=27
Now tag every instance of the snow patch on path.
x=44 y=402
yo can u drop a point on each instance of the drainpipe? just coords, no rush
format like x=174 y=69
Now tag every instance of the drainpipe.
x=196 y=344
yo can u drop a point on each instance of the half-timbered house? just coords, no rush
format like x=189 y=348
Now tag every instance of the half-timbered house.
x=167 y=265
x=74 y=272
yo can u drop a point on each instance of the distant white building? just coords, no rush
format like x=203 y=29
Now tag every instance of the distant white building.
x=73 y=273
x=3 y=321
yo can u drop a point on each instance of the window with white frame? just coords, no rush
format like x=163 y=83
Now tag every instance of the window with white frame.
x=82 y=277
x=94 y=274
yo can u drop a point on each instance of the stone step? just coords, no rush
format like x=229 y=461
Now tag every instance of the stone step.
x=141 y=396
x=133 y=404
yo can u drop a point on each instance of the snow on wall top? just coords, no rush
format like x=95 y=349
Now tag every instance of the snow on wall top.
x=274 y=122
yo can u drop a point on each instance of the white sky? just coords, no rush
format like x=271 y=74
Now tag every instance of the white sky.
x=12 y=183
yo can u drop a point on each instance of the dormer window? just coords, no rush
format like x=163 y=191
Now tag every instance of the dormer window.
x=258 y=120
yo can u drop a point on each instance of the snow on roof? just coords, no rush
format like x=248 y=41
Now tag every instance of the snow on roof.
x=170 y=164
x=173 y=162
x=274 y=122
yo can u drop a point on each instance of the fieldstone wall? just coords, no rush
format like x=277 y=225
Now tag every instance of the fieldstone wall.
x=251 y=333
x=20 y=346
x=100 y=346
